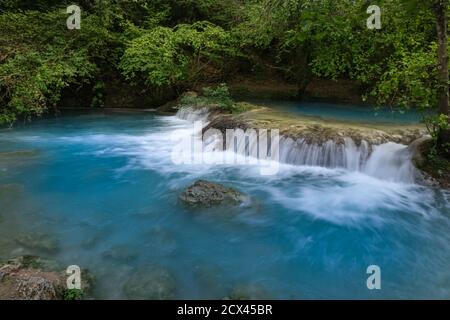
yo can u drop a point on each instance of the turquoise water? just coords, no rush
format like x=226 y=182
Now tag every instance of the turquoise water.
x=346 y=112
x=105 y=188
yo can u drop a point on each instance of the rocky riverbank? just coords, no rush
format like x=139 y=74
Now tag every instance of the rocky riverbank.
x=35 y=278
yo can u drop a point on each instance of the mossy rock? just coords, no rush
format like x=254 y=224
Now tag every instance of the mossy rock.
x=38 y=241
x=435 y=169
x=35 y=278
x=35 y=262
x=208 y=194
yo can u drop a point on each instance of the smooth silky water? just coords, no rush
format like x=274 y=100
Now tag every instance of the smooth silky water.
x=344 y=112
x=105 y=187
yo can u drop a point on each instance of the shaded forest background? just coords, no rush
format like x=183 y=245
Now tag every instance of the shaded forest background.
x=156 y=49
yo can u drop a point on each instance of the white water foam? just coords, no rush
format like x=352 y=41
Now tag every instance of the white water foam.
x=389 y=161
x=356 y=186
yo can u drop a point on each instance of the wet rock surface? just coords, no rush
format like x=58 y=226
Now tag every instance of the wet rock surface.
x=35 y=278
x=208 y=194
x=434 y=169
x=314 y=130
x=30 y=278
x=418 y=149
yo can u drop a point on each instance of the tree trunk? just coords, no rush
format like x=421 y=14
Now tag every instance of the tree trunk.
x=302 y=70
x=441 y=7
x=443 y=91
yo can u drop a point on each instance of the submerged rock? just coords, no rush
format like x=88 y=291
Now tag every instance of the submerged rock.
x=10 y=189
x=10 y=192
x=209 y=278
x=19 y=154
x=120 y=253
x=207 y=194
x=161 y=240
x=248 y=292
x=38 y=241
x=151 y=283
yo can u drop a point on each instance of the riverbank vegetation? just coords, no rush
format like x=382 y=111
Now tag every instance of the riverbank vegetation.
x=161 y=48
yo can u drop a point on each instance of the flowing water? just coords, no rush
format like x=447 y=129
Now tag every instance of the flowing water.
x=345 y=112
x=106 y=189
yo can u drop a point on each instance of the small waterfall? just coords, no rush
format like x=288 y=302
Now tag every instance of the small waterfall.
x=191 y=114
x=389 y=161
x=329 y=155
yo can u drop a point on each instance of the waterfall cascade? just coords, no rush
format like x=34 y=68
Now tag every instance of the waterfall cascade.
x=389 y=161
x=191 y=114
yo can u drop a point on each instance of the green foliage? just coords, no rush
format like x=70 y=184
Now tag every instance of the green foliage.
x=410 y=80
x=241 y=107
x=177 y=56
x=155 y=57
x=436 y=124
x=396 y=65
x=98 y=90
x=73 y=294
x=182 y=44
x=221 y=94
x=38 y=61
x=218 y=97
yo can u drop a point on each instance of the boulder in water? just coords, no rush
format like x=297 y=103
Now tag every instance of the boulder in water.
x=434 y=170
x=419 y=149
x=207 y=194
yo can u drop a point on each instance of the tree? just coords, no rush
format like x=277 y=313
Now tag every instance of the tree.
x=441 y=11
x=176 y=57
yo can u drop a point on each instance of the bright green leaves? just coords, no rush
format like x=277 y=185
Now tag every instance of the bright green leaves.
x=155 y=57
x=34 y=80
x=409 y=80
x=175 y=56
x=39 y=57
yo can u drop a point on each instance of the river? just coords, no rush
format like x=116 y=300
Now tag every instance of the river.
x=104 y=187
